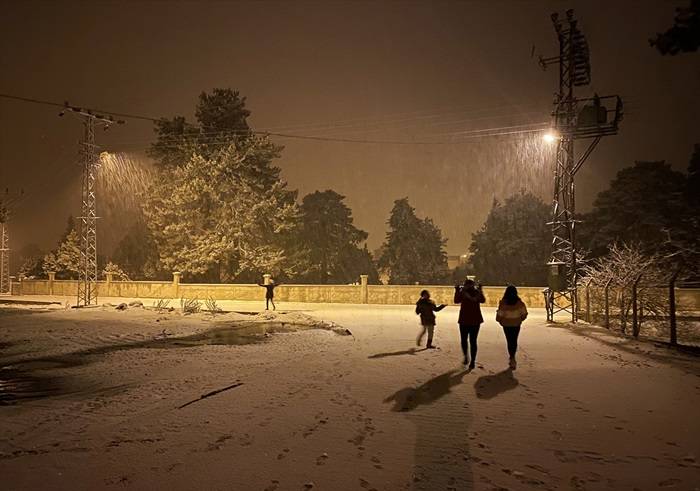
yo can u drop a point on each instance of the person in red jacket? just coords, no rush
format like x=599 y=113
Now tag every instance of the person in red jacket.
x=470 y=297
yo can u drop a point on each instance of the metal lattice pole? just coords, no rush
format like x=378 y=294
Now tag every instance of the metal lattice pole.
x=563 y=256
x=5 y=286
x=7 y=202
x=87 y=274
x=574 y=71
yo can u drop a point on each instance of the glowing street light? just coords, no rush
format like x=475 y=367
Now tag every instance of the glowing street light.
x=550 y=137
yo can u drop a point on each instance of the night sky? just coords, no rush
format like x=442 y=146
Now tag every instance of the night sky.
x=409 y=71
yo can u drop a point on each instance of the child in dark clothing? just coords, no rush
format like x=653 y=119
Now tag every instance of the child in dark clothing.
x=425 y=307
x=270 y=294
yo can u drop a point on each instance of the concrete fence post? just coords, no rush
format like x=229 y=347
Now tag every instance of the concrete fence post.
x=52 y=278
x=266 y=278
x=176 y=284
x=109 y=277
x=635 y=307
x=673 y=330
x=363 y=288
x=607 y=303
x=588 y=300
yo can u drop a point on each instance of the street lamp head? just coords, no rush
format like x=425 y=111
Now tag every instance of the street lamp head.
x=550 y=137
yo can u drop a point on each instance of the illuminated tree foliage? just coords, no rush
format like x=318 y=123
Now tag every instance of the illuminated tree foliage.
x=137 y=254
x=29 y=259
x=514 y=243
x=65 y=259
x=118 y=274
x=222 y=121
x=218 y=210
x=619 y=269
x=220 y=217
x=413 y=251
x=328 y=245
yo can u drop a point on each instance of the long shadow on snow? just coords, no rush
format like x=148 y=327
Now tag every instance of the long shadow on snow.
x=410 y=351
x=442 y=419
x=490 y=386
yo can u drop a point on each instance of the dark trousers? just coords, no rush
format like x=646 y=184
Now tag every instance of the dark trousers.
x=512 y=339
x=430 y=329
x=268 y=301
x=468 y=334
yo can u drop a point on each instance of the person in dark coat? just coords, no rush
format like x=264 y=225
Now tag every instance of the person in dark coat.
x=470 y=297
x=270 y=294
x=426 y=308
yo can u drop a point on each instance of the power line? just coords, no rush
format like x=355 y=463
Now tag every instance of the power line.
x=64 y=104
x=273 y=133
x=350 y=123
x=218 y=136
x=469 y=139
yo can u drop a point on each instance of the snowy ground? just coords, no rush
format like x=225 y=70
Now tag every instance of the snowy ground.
x=585 y=410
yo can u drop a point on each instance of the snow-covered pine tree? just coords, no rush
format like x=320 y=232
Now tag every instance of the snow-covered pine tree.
x=221 y=216
x=413 y=251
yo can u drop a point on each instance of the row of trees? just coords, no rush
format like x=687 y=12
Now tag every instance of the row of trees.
x=64 y=260
x=323 y=246
x=218 y=210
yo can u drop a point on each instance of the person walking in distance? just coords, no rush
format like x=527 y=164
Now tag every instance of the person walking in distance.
x=270 y=294
x=426 y=308
x=510 y=314
x=470 y=296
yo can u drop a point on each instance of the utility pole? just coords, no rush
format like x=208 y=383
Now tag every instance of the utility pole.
x=5 y=287
x=573 y=120
x=87 y=274
x=6 y=203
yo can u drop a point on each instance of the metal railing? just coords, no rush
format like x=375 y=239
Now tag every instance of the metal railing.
x=646 y=307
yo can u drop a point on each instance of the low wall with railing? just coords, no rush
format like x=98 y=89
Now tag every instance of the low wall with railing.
x=644 y=309
x=687 y=300
x=361 y=293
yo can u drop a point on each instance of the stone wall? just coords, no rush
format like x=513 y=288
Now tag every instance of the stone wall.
x=687 y=299
x=408 y=294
